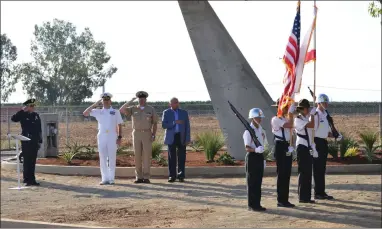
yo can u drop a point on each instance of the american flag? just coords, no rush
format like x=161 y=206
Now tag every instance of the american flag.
x=290 y=60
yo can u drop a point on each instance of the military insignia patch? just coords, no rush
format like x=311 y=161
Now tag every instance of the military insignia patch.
x=112 y=112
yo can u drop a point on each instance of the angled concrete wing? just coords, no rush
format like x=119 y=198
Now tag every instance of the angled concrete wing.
x=227 y=74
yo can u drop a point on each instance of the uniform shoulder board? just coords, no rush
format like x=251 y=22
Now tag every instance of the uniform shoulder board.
x=299 y=116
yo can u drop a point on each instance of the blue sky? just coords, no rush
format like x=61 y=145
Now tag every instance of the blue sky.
x=149 y=44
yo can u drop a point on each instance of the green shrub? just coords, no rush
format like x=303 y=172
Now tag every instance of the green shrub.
x=157 y=146
x=195 y=145
x=161 y=160
x=268 y=153
x=333 y=149
x=351 y=152
x=74 y=148
x=121 y=149
x=212 y=142
x=345 y=144
x=226 y=159
x=87 y=154
x=369 y=138
x=68 y=157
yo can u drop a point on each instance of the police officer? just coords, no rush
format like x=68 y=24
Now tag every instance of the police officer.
x=254 y=160
x=31 y=127
x=283 y=153
x=304 y=124
x=144 y=122
x=322 y=132
x=109 y=136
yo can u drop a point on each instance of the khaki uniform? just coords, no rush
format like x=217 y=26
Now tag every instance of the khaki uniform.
x=142 y=122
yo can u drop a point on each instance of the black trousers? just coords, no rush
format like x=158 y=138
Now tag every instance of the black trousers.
x=284 y=169
x=319 y=166
x=177 y=151
x=30 y=150
x=305 y=164
x=254 y=168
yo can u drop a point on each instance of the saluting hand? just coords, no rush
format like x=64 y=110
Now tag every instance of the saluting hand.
x=132 y=100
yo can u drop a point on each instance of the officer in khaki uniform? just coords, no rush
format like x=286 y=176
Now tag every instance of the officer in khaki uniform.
x=144 y=123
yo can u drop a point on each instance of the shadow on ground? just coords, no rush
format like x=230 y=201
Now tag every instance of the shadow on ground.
x=360 y=215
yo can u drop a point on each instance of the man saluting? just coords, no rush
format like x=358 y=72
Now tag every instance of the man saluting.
x=31 y=127
x=109 y=136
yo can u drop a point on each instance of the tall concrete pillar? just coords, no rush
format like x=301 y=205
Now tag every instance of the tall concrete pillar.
x=227 y=74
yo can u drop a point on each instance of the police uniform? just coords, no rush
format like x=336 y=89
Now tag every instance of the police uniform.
x=31 y=128
x=304 y=154
x=108 y=121
x=143 y=118
x=283 y=155
x=322 y=130
x=254 y=163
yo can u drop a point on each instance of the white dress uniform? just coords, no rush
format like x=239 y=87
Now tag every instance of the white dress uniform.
x=321 y=124
x=277 y=126
x=108 y=121
x=260 y=136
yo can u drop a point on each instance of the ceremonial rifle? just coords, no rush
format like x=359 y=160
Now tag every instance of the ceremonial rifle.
x=246 y=125
x=330 y=120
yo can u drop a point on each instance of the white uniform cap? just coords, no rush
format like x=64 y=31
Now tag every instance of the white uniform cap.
x=106 y=94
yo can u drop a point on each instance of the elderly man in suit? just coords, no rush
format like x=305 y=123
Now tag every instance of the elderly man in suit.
x=176 y=123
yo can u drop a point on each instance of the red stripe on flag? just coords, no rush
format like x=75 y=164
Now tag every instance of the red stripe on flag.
x=310 y=56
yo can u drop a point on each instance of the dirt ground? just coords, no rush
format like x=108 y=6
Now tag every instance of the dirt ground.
x=196 y=203
x=84 y=133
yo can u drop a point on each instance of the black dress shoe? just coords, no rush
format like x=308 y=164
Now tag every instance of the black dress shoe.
x=285 y=205
x=138 y=181
x=307 y=201
x=257 y=209
x=32 y=184
x=181 y=179
x=323 y=197
x=171 y=180
x=146 y=181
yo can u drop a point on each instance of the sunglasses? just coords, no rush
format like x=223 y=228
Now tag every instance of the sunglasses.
x=106 y=99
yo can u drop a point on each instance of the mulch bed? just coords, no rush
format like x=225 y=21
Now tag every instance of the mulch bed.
x=195 y=159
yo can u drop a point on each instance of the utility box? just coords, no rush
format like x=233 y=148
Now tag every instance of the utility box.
x=50 y=133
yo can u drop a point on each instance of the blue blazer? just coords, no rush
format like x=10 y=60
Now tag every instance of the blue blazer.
x=168 y=123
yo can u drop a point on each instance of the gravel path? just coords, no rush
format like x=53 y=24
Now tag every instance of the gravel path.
x=196 y=203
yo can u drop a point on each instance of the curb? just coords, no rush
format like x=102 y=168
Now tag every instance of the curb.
x=11 y=223
x=218 y=171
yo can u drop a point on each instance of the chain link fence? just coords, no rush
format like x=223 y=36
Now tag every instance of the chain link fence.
x=74 y=127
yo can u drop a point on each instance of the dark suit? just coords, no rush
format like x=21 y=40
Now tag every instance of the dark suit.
x=31 y=128
x=176 y=137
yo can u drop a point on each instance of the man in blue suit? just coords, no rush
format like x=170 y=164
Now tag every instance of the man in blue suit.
x=176 y=123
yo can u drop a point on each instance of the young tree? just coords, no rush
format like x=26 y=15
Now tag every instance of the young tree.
x=66 y=67
x=374 y=9
x=8 y=56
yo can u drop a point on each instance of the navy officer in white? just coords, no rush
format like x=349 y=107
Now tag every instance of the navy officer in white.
x=176 y=123
x=109 y=135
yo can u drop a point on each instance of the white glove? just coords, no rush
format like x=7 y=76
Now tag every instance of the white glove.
x=290 y=149
x=339 y=138
x=313 y=111
x=259 y=149
x=265 y=164
x=315 y=153
x=292 y=108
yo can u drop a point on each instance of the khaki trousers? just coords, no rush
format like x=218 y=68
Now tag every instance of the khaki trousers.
x=142 y=144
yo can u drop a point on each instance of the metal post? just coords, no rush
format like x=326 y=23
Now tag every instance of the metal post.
x=9 y=128
x=67 y=126
x=380 y=123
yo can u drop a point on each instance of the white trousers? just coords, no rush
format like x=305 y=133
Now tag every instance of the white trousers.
x=107 y=148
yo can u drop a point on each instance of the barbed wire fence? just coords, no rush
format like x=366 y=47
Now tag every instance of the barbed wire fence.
x=71 y=119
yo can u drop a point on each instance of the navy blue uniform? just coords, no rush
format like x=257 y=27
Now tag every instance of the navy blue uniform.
x=31 y=128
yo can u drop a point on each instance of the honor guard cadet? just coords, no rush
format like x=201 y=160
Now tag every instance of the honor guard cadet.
x=254 y=161
x=304 y=124
x=144 y=122
x=31 y=127
x=109 y=136
x=322 y=132
x=283 y=153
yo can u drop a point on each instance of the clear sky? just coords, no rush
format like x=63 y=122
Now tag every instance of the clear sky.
x=149 y=44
